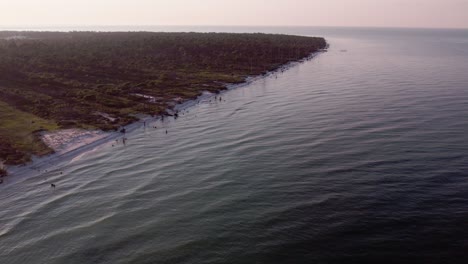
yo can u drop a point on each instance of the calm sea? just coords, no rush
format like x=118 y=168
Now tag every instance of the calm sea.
x=359 y=155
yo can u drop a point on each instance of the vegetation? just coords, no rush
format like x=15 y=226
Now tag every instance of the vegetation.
x=19 y=135
x=51 y=80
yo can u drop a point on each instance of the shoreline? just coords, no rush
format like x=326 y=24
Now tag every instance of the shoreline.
x=72 y=148
x=119 y=83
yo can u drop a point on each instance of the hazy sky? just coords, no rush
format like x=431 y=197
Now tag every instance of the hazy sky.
x=376 y=13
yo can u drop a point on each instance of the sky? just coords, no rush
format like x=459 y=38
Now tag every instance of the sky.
x=351 y=13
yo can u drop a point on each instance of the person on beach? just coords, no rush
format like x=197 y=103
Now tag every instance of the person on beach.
x=52 y=185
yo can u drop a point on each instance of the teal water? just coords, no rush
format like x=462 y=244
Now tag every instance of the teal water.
x=358 y=155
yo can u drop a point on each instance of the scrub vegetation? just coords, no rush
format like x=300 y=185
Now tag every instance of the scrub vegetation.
x=51 y=80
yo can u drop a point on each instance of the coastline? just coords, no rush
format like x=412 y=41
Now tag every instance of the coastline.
x=76 y=145
x=115 y=83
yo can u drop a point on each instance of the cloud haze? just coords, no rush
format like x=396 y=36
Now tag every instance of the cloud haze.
x=374 y=13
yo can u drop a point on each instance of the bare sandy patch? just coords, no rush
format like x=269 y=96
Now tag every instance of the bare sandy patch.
x=66 y=140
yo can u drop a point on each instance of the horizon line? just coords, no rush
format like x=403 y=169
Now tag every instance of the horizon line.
x=246 y=26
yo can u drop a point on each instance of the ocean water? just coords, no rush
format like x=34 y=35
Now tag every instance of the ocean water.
x=358 y=155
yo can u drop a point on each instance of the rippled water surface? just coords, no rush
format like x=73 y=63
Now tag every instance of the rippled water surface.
x=359 y=154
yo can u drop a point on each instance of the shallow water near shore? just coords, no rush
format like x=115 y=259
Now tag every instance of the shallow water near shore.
x=359 y=154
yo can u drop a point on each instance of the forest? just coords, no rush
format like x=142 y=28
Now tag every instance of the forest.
x=101 y=80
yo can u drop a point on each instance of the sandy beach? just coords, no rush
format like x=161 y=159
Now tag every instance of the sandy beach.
x=66 y=140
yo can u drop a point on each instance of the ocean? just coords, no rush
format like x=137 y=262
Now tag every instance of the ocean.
x=358 y=155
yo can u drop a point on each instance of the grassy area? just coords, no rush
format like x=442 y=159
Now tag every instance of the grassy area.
x=18 y=135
